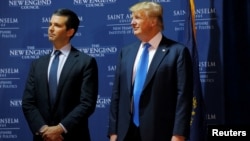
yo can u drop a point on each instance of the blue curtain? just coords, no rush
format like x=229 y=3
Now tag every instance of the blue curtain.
x=237 y=61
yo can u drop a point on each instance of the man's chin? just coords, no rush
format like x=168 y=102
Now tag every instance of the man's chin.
x=136 y=33
x=50 y=39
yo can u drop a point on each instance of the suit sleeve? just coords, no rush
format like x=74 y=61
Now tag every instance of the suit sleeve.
x=184 y=95
x=113 y=114
x=29 y=107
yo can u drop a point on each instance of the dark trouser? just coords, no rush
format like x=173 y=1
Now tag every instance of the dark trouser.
x=133 y=133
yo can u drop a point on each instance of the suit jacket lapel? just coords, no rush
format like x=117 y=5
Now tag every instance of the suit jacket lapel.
x=70 y=62
x=160 y=53
x=130 y=63
x=67 y=67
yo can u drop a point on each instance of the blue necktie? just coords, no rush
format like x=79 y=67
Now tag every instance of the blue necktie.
x=53 y=77
x=140 y=77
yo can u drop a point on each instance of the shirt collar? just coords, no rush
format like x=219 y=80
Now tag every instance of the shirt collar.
x=64 y=50
x=155 y=41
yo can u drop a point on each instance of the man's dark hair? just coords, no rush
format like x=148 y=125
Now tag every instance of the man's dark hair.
x=73 y=20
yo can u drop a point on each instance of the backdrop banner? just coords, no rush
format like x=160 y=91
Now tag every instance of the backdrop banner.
x=104 y=30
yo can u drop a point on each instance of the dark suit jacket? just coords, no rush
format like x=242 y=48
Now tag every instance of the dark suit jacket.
x=166 y=100
x=76 y=96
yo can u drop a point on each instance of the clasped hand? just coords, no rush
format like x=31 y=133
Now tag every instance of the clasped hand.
x=52 y=133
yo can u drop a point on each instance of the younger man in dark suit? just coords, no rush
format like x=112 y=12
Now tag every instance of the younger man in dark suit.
x=59 y=110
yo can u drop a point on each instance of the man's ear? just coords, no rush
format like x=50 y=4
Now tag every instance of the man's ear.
x=70 y=32
x=153 y=22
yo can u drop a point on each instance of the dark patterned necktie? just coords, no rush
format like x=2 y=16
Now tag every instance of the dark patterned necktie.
x=53 y=77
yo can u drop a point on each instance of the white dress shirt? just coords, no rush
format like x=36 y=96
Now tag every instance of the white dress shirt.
x=62 y=58
x=154 y=42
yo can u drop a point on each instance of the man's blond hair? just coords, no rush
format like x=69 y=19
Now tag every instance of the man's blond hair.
x=151 y=9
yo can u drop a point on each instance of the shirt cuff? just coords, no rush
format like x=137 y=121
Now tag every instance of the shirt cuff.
x=41 y=129
x=64 y=129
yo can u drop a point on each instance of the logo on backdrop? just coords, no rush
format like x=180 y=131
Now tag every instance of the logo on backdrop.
x=96 y=50
x=7 y=78
x=207 y=71
x=203 y=17
x=29 y=4
x=8 y=28
x=102 y=102
x=93 y=3
x=7 y=126
x=179 y=22
x=29 y=53
x=15 y=102
x=111 y=70
x=119 y=23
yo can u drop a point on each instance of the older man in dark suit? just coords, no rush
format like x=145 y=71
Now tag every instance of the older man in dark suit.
x=155 y=107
